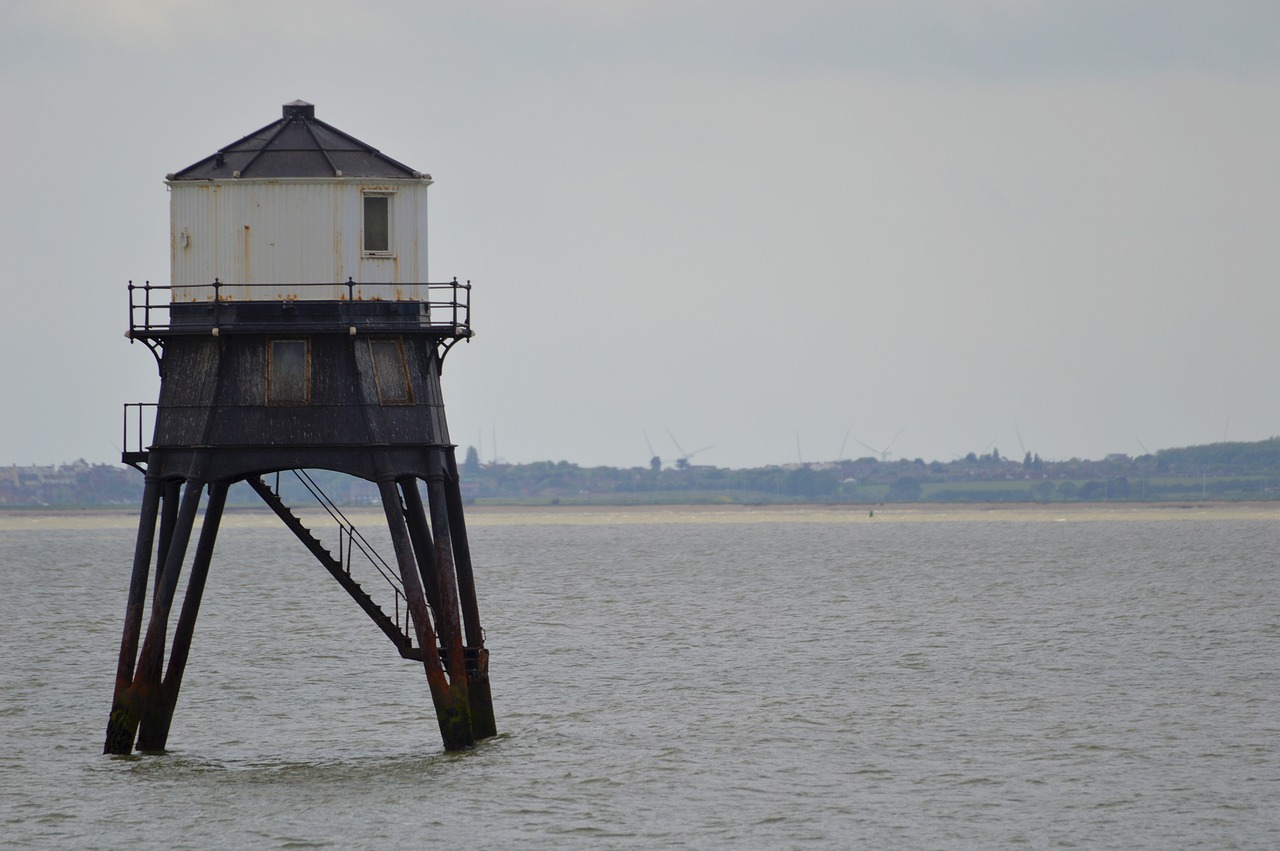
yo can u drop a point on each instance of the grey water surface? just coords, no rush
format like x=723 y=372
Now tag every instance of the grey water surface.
x=676 y=682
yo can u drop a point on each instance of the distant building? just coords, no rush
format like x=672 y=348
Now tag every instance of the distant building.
x=77 y=483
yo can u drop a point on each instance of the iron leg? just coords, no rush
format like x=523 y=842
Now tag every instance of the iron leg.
x=154 y=731
x=119 y=734
x=452 y=710
x=145 y=694
x=483 y=723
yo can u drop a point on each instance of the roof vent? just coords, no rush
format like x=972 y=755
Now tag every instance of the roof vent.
x=299 y=109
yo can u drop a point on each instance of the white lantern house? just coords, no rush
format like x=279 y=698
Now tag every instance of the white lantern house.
x=298 y=210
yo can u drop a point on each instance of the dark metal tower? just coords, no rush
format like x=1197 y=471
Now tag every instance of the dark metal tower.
x=261 y=375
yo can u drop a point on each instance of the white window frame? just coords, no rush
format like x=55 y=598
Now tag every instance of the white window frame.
x=390 y=250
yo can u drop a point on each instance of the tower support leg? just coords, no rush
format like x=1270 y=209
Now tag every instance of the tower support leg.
x=466 y=661
x=424 y=548
x=430 y=564
x=170 y=497
x=483 y=723
x=119 y=735
x=448 y=580
x=141 y=699
x=452 y=709
x=154 y=731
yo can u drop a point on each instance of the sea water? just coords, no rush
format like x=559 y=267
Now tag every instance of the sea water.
x=709 y=678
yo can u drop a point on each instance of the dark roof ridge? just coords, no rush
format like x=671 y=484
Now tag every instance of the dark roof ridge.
x=297 y=145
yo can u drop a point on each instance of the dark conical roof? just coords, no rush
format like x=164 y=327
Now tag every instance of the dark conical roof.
x=298 y=145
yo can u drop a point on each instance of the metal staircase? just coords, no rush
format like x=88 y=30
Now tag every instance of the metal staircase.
x=350 y=540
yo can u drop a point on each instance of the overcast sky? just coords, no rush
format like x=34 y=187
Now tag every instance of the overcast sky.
x=756 y=226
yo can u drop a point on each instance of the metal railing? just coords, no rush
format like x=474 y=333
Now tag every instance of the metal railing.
x=138 y=427
x=351 y=540
x=448 y=305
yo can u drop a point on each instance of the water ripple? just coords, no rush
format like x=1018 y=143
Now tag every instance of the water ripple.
x=685 y=680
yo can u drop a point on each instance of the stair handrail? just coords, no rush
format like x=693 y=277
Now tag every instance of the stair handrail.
x=354 y=535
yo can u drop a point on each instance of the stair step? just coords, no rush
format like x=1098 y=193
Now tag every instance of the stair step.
x=336 y=568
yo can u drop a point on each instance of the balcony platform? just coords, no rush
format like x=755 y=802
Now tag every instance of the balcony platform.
x=153 y=318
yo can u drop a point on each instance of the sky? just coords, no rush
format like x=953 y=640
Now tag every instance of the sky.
x=747 y=232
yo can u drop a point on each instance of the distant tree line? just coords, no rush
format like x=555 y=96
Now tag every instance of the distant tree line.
x=1219 y=471
x=1216 y=471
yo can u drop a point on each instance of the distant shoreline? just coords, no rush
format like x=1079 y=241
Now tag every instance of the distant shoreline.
x=489 y=507
x=114 y=517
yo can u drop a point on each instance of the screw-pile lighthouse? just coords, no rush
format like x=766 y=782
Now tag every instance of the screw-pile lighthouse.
x=300 y=332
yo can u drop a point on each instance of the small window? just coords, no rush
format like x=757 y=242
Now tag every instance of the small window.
x=390 y=372
x=377 y=224
x=288 y=372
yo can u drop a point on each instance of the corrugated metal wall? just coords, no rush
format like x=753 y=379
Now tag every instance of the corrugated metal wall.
x=281 y=233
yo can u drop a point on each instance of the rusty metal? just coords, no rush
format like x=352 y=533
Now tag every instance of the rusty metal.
x=220 y=417
x=483 y=722
x=141 y=700
x=210 y=433
x=445 y=570
x=153 y=732
x=121 y=728
x=453 y=708
x=424 y=548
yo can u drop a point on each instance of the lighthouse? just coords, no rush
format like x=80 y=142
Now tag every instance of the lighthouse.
x=300 y=331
